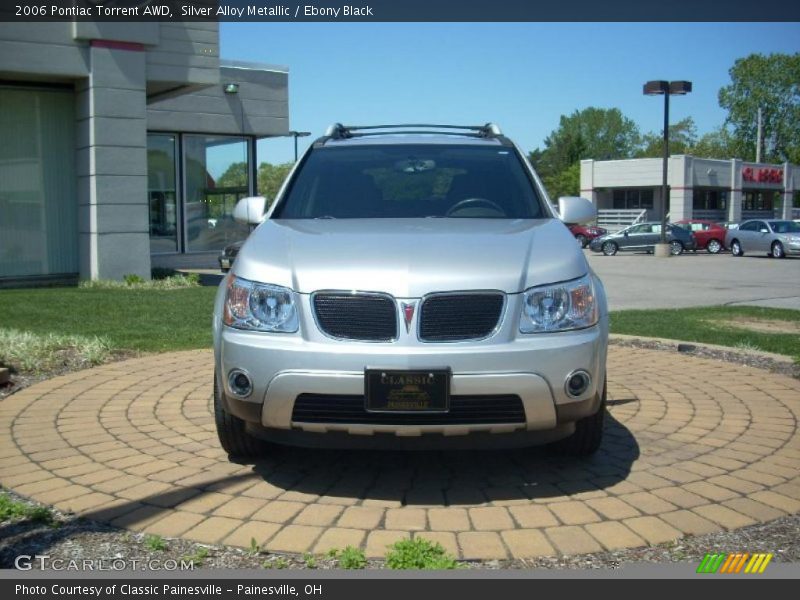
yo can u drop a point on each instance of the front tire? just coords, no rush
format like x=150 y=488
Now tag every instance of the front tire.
x=231 y=430
x=610 y=248
x=675 y=248
x=736 y=248
x=777 y=250
x=588 y=434
x=714 y=247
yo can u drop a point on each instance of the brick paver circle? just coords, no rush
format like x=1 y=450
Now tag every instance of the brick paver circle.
x=692 y=446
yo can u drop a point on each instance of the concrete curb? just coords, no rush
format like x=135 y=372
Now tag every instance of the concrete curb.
x=781 y=358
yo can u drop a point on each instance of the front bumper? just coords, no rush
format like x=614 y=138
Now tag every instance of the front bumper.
x=534 y=367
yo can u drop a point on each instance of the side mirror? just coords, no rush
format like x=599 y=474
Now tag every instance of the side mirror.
x=572 y=209
x=250 y=210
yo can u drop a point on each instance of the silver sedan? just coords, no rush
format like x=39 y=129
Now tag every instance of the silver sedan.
x=756 y=236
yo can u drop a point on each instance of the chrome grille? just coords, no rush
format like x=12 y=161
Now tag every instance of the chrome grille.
x=364 y=317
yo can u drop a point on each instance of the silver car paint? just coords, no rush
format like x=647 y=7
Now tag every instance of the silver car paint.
x=761 y=242
x=409 y=258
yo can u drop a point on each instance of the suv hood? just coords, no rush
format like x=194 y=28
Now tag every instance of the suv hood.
x=409 y=258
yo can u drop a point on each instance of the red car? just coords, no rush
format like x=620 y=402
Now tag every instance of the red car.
x=585 y=234
x=708 y=234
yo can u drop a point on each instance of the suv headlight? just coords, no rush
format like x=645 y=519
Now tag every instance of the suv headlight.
x=259 y=307
x=559 y=307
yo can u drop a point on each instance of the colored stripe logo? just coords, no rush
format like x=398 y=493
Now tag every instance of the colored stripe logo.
x=738 y=562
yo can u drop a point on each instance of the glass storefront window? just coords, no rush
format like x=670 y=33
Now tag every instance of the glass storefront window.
x=38 y=188
x=217 y=176
x=162 y=192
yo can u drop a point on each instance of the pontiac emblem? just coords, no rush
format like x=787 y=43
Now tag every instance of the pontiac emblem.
x=408 y=313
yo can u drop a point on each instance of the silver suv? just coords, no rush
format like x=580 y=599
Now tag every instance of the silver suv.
x=411 y=286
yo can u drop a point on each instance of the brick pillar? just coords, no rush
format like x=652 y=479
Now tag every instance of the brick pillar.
x=112 y=164
x=788 y=192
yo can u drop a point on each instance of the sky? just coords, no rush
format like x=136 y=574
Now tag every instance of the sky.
x=523 y=76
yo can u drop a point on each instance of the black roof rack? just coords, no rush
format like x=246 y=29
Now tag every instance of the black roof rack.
x=337 y=131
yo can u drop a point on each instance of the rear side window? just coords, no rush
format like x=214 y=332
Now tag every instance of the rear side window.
x=411 y=181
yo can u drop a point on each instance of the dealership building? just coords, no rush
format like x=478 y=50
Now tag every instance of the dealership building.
x=699 y=188
x=125 y=146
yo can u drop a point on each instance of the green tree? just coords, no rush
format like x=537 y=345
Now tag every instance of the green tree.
x=599 y=133
x=270 y=179
x=772 y=83
x=718 y=143
x=682 y=138
x=234 y=176
x=563 y=183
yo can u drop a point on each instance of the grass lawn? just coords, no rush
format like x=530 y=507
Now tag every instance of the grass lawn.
x=130 y=319
x=768 y=329
x=161 y=320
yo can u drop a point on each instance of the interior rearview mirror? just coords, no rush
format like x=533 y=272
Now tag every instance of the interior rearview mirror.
x=250 y=210
x=573 y=209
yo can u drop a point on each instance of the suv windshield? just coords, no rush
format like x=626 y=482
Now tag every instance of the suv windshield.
x=411 y=181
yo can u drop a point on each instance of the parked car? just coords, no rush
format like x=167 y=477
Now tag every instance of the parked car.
x=730 y=224
x=644 y=237
x=228 y=255
x=762 y=236
x=708 y=235
x=585 y=234
x=411 y=291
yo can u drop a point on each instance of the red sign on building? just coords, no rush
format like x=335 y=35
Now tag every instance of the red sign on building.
x=762 y=175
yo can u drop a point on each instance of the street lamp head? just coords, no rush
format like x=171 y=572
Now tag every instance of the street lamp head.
x=299 y=133
x=656 y=88
x=680 y=87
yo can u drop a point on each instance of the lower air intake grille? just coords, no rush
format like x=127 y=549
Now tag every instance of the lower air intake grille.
x=464 y=410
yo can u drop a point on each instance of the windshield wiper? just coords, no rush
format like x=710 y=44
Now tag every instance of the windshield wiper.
x=325 y=217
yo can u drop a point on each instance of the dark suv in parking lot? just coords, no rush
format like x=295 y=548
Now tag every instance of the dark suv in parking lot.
x=644 y=237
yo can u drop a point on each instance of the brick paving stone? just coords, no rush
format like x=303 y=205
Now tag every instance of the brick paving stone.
x=717 y=448
x=212 y=530
x=724 y=516
x=175 y=523
x=360 y=517
x=574 y=513
x=481 y=545
x=532 y=517
x=490 y=518
x=338 y=538
x=240 y=507
x=689 y=522
x=572 y=540
x=323 y=515
x=260 y=531
x=527 y=543
x=379 y=540
x=411 y=519
x=653 y=529
x=613 y=535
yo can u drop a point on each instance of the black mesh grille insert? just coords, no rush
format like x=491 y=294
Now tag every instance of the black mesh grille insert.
x=464 y=410
x=451 y=317
x=356 y=316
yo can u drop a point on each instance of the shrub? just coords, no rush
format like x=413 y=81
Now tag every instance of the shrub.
x=36 y=352
x=419 y=553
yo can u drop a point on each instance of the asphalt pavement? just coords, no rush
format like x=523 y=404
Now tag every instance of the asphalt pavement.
x=697 y=279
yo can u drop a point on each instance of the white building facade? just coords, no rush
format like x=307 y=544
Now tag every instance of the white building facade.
x=699 y=188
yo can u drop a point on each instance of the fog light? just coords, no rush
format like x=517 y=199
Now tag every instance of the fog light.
x=577 y=383
x=239 y=383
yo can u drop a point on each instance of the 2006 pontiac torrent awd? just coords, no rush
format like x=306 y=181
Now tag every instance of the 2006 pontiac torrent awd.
x=411 y=286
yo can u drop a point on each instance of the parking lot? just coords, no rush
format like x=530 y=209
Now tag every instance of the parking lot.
x=638 y=280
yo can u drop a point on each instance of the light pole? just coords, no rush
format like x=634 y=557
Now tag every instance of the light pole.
x=667 y=89
x=297 y=134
